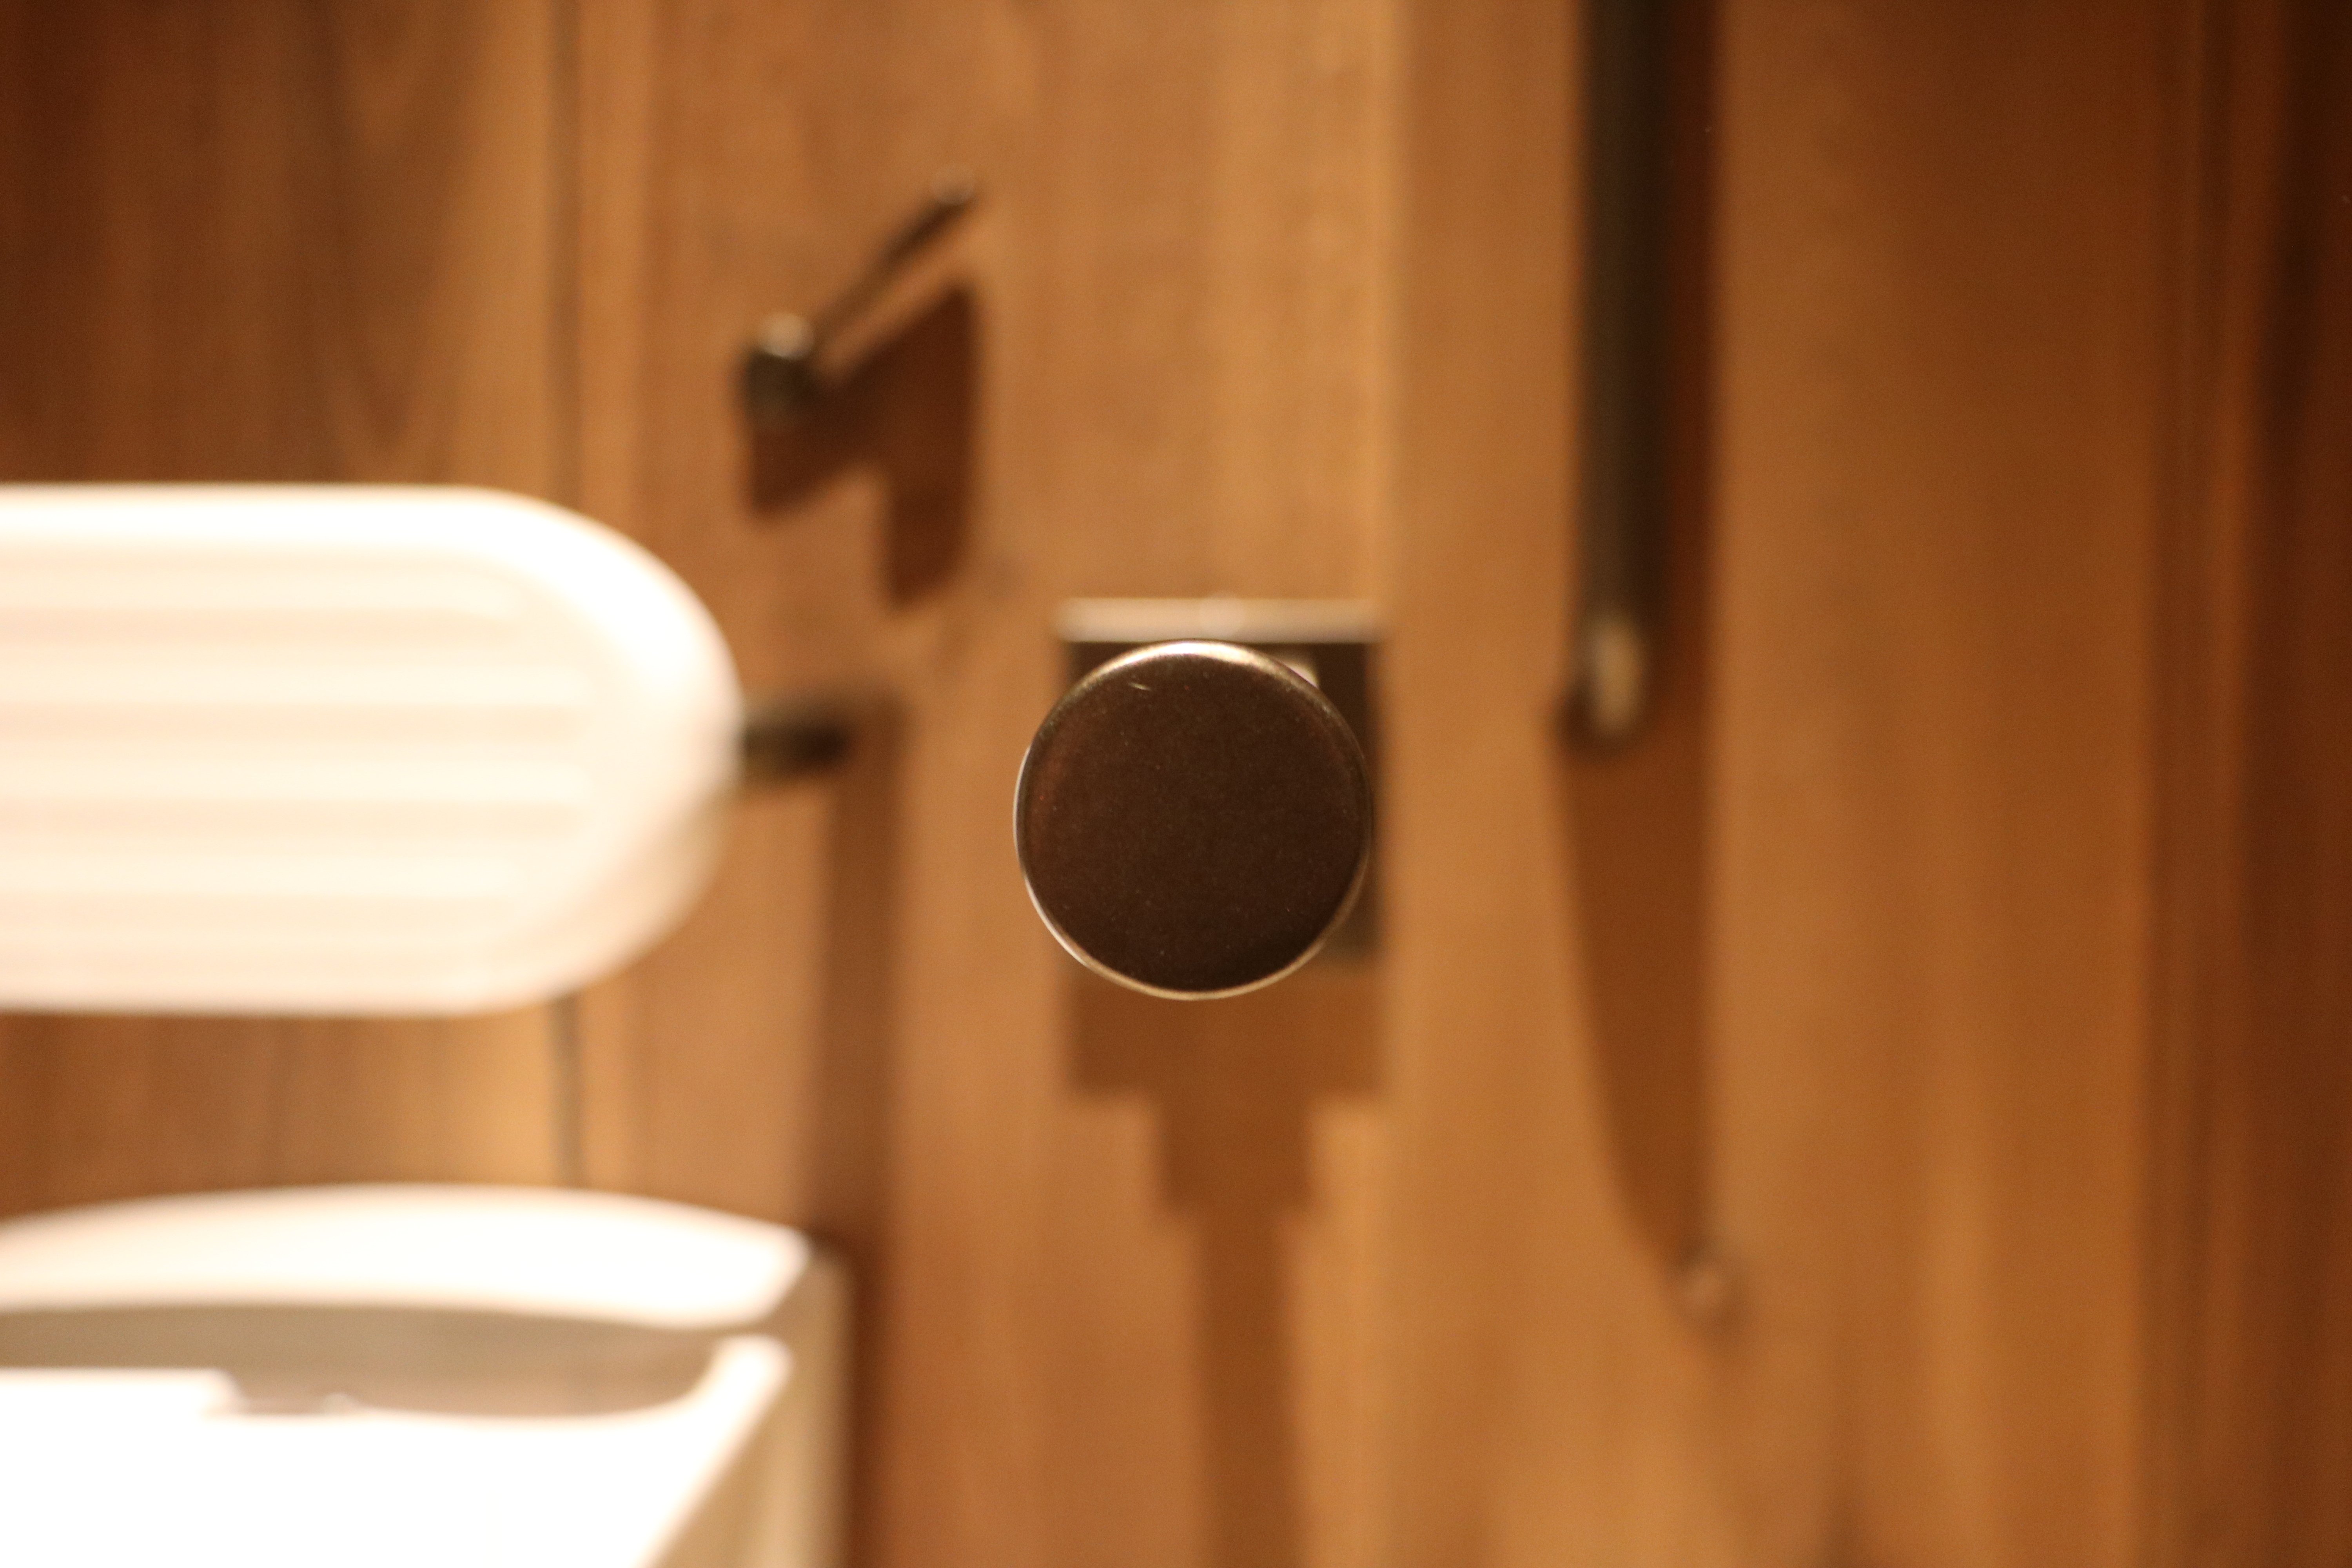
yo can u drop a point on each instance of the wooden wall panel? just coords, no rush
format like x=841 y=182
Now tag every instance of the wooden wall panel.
x=277 y=241
x=1119 y=1257
x=2253 y=1436
x=1548 y=1400
x=1882 y=1213
x=1945 y=391
x=1912 y=1330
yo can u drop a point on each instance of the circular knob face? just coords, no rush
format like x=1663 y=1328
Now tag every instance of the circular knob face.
x=1194 y=818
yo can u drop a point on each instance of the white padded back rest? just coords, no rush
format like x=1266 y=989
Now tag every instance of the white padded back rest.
x=343 y=749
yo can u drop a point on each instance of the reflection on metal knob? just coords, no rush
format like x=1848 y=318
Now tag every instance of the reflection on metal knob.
x=1193 y=819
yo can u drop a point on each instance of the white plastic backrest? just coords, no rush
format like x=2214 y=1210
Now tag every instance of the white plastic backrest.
x=535 y=1252
x=342 y=749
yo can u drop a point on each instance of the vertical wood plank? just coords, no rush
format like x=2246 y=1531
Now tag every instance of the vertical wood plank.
x=2252 y=1440
x=1943 y=369
x=1117 y=1265
x=1944 y=383
x=1548 y=1402
x=275 y=241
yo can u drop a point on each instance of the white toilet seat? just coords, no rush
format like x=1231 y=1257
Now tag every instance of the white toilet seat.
x=124 y=1443
x=366 y=1488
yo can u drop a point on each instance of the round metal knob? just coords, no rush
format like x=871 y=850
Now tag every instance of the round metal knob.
x=1193 y=819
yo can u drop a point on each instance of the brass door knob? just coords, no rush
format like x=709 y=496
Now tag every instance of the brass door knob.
x=1193 y=819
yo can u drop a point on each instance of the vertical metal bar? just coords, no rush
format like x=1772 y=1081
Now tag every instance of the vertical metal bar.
x=1622 y=499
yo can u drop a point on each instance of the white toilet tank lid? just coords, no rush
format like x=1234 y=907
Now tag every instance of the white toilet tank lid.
x=527 y=1251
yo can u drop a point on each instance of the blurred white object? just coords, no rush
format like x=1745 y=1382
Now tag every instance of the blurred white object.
x=602 y=1257
x=417 y=1374
x=341 y=750
x=268 y=750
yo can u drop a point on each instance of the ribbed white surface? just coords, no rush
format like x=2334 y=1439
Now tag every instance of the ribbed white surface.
x=341 y=750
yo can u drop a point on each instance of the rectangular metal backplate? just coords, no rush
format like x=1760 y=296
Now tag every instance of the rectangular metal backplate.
x=1329 y=641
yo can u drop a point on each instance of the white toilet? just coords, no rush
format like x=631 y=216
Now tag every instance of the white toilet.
x=416 y=1375
x=392 y=751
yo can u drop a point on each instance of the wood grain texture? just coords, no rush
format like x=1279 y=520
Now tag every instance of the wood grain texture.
x=1895 y=1119
x=1924 y=933
x=1944 y=414
x=1117 y=1260
x=2254 y=1440
x=1549 y=1403
x=1924 y=801
x=275 y=241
